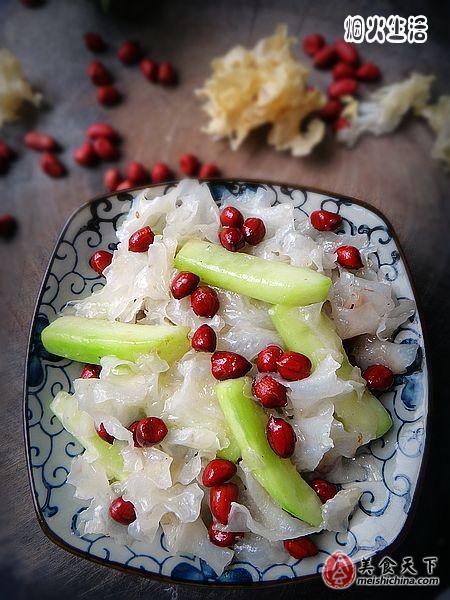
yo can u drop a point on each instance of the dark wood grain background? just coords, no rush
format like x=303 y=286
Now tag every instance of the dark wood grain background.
x=394 y=174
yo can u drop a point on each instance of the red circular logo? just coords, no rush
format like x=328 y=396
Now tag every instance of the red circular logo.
x=338 y=571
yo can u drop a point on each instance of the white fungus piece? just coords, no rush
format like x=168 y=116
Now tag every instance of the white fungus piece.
x=15 y=90
x=438 y=117
x=249 y=88
x=385 y=108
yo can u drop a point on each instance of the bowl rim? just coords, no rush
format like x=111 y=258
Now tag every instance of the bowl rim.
x=166 y=579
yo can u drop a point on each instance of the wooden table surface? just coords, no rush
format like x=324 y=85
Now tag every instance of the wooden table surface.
x=394 y=174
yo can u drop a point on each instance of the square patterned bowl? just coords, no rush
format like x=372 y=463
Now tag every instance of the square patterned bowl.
x=383 y=509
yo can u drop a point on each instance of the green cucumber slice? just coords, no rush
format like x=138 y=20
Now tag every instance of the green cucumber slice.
x=232 y=452
x=313 y=339
x=65 y=407
x=279 y=477
x=366 y=416
x=270 y=281
x=88 y=340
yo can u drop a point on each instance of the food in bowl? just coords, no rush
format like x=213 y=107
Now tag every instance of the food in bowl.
x=217 y=401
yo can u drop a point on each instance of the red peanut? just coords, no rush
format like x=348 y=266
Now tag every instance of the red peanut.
x=347 y=52
x=94 y=42
x=368 y=72
x=103 y=130
x=342 y=87
x=325 y=57
x=149 y=69
x=98 y=73
x=112 y=179
x=108 y=95
x=51 y=165
x=42 y=142
x=343 y=71
x=313 y=43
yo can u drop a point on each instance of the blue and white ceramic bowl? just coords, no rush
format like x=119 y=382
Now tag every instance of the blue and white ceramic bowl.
x=383 y=508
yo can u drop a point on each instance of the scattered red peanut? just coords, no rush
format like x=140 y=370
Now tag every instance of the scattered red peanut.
x=149 y=69
x=325 y=57
x=204 y=301
x=368 y=72
x=209 y=171
x=184 y=284
x=301 y=547
x=94 y=42
x=342 y=87
x=254 y=230
x=340 y=123
x=137 y=173
x=122 y=511
x=100 y=260
x=270 y=392
x=150 y=431
x=223 y=539
x=103 y=130
x=343 y=71
x=161 y=173
x=346 y=52
x=125 y=185
x=141 y=240
x=51 y=165
x=220 y=499
x=218 y=471
x=324 y=489
x=98 y=73
x=313 y=43
x=379 y=378
x=166 y=74
x=281 y=437
x=232 y=238
x=231 y=217
x=189 y=164
x=345 y=74
x=108 y=95
x=7 y=154
x=112 y=179
x=105 y=149
x=324 y=220
x=104 y=434
x=229 y=365
x=349 y=257
x=85 y=155
x=8 y=226
x=294 y=366
x=331 y=110
x=42 y=142
x=266 y=361
x=129 y=52
x=90 y=372
x=204 y=339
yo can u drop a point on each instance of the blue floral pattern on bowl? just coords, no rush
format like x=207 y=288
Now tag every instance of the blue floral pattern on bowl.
x=382 y=509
